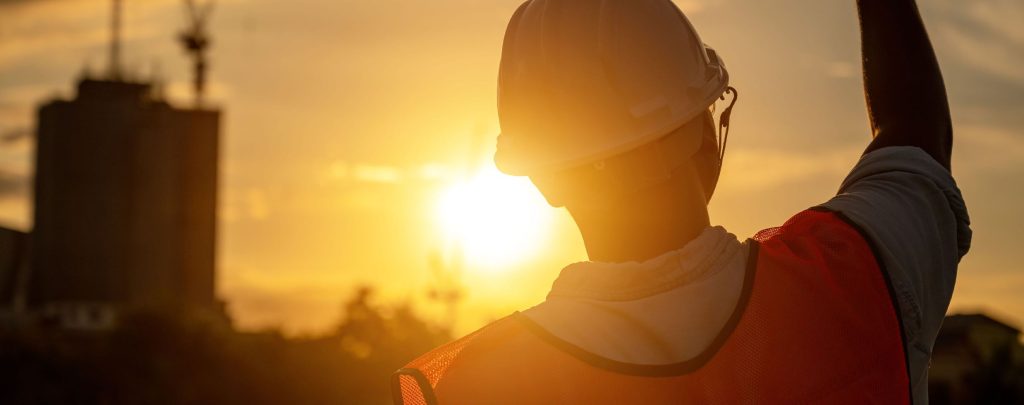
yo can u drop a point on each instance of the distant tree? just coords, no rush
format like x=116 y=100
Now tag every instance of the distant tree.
x=161 y=358
x=382 y=339
x=999 y=380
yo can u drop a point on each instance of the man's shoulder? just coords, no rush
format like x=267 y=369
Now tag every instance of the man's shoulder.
x=494 y=335
x=502 y=354
x=813 y=228
x=818 y=247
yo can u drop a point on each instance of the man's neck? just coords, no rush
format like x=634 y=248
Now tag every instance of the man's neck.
x=642 y=227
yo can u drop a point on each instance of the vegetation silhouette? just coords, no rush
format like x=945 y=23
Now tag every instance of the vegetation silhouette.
x=159 y=358
x=999 y=380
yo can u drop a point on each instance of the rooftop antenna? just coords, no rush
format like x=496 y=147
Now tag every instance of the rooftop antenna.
x=115 y=42
x=196 y=41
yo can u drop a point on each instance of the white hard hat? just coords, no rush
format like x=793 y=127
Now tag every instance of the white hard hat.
x=584 y=80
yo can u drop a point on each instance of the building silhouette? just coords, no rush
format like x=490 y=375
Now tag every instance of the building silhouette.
x=125 y=204
x=977 y=359
x=125 y=200
x=14 y=247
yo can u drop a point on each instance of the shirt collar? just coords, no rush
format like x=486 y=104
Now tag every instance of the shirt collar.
x=700 y=258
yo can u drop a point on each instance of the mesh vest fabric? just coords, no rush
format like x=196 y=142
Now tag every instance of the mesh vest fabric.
x=816 y=324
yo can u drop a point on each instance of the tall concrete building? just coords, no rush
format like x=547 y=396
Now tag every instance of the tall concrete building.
x=13 y=268
x=125 y=204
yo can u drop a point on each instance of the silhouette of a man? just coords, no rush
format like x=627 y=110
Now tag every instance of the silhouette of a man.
x=605 y=105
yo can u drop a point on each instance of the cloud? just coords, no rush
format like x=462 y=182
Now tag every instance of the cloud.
x=988 y=148
x=13 y=136
x=17 y=101
x=6 y=3
x=985 y=50
x=979 y=45
x=59 y=30
x=49 y=28
x=382 y=174
x=387 y=174
x=12 y=184
x=378 y=174
x=991 y=292
x=751 y=170
x=991 y=28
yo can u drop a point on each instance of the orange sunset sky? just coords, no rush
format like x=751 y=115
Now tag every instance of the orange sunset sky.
x=357 y=138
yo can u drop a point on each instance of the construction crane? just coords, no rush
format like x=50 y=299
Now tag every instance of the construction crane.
x=196 y=41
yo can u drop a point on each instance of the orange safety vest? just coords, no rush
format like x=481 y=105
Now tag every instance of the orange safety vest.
x=815 y=324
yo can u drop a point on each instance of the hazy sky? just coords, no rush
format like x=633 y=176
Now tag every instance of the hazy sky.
x=345 y=121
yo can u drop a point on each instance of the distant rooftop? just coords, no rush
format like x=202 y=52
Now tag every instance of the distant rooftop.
x=92 y=89
x=962 y=322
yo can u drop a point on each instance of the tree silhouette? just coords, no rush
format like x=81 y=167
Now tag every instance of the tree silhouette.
x=164 y=358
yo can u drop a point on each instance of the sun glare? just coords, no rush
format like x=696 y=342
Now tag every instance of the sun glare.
x=498 y=220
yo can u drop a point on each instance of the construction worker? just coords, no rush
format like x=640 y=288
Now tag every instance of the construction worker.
x=607 y=106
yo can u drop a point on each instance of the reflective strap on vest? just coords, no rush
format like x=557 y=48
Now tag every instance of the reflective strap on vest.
x=410 y=387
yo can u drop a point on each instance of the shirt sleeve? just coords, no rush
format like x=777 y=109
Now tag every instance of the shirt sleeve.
x=909 y=207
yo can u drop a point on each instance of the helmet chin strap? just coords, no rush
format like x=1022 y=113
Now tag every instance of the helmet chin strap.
x=723 y=122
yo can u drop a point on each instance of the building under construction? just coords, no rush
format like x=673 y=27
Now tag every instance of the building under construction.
x=125 y=203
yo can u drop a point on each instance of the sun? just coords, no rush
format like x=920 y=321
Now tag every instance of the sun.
x=497 y=220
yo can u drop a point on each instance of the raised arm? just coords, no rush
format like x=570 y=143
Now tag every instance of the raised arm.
x=902 y=83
